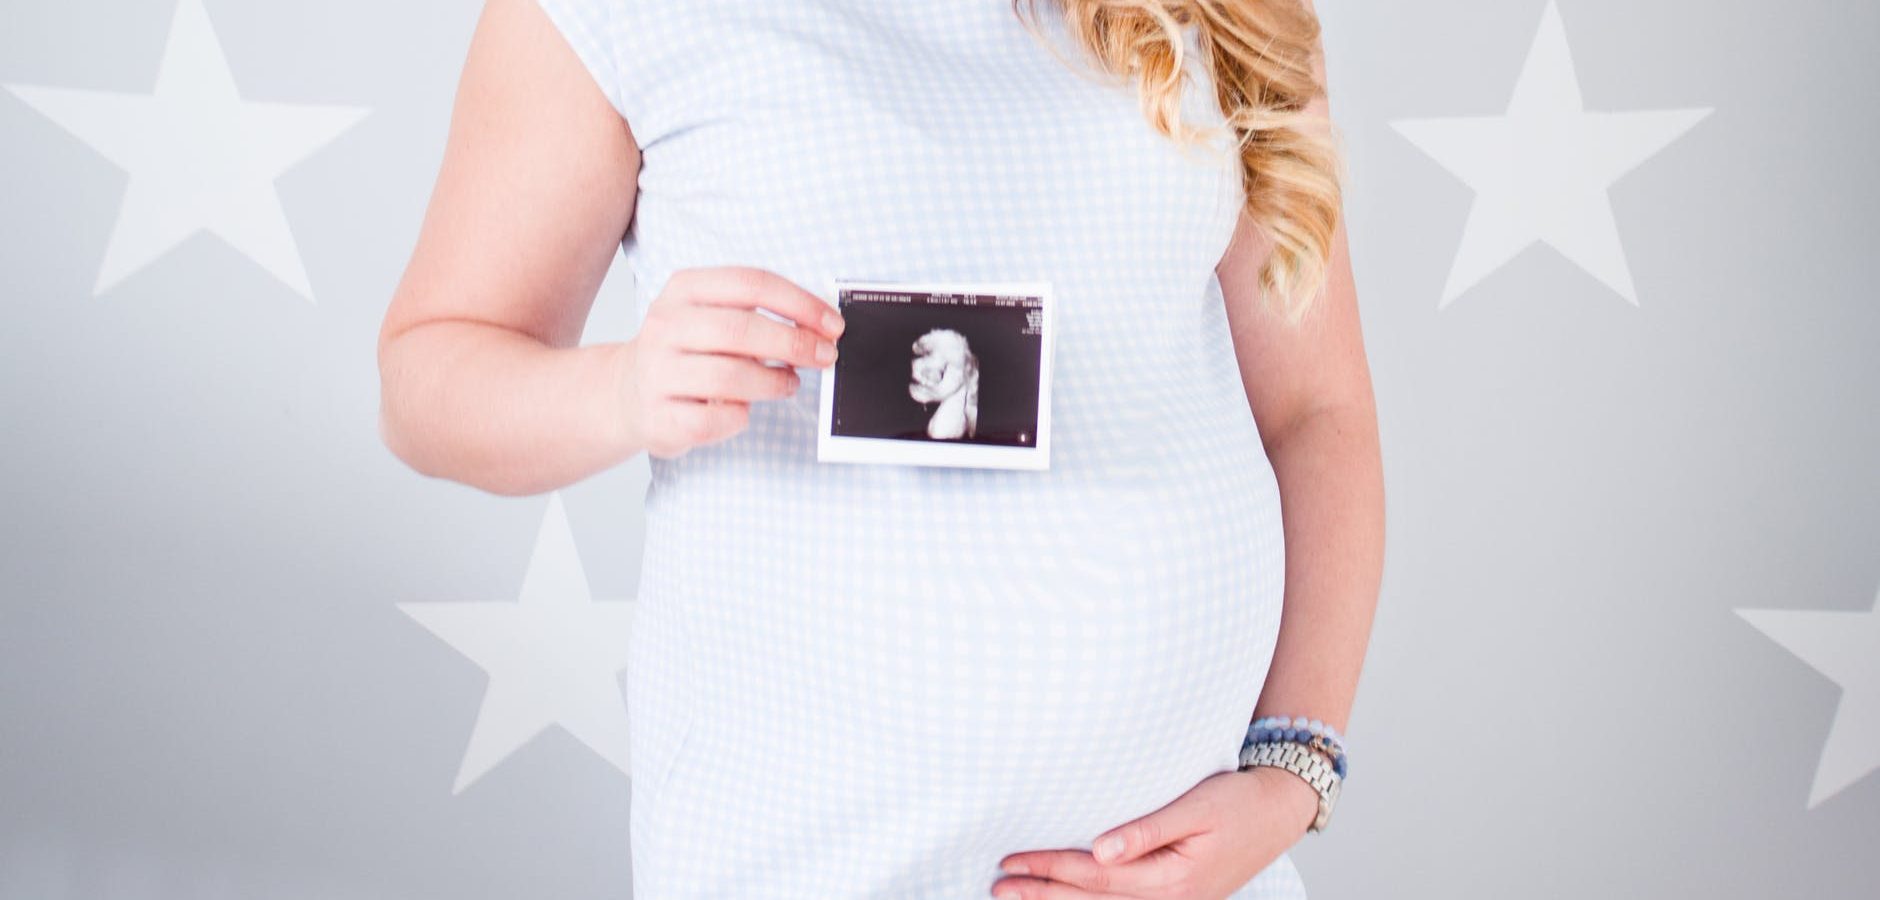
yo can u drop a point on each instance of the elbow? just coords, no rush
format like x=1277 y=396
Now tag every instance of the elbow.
x=415 y=436
x=394 y=439
x=397 y=433
x=401 y=438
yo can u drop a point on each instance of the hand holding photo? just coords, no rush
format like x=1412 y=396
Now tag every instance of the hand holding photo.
x=940 y=374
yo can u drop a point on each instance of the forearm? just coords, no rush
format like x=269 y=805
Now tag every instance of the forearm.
x=1332 y=499
x=500 y=410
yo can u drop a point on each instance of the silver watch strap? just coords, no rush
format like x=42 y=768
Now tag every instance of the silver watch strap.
x=1304 y=762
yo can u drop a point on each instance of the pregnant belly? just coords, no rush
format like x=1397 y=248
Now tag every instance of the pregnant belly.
x=914 y=735
x=880 y=680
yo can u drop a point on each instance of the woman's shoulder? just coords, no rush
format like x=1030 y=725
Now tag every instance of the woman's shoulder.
x=635 y=49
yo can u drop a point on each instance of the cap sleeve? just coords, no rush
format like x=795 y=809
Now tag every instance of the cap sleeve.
x=590 y=28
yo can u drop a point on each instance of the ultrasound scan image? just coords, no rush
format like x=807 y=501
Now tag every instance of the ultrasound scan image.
x=926 y=366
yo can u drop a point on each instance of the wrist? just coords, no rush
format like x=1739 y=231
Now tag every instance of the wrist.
x=623 y=410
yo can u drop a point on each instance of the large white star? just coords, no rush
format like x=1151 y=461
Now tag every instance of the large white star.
x=553 y=656
x=1542 y=170
x=1844 y=646
x=199 y=156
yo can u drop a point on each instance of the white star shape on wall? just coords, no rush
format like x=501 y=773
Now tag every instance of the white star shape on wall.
x=1845 y=647
x=199 y=157
x=553 y=657
x=1542 y=170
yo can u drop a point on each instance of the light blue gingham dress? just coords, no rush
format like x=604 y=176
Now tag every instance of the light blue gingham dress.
x=852 y=680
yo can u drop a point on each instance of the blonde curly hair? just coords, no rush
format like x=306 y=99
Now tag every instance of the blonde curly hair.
x=1262 y=55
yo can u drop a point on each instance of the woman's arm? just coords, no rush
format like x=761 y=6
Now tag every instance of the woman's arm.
x=1311 y=394
x=481 y=378
x=1310 y=389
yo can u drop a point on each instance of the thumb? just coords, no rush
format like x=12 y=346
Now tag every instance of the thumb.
x=1132 y=839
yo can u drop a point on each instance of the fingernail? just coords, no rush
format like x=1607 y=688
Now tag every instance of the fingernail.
x=825 y=351
x=1109 y=848
x=832 y=323
x=1016 y=868
x=1006 y=893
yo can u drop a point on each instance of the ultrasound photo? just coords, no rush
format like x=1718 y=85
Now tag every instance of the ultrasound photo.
x=940 y=374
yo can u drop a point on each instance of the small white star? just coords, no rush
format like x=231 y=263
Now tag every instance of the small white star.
x=199 y=156
x=553 y=656
x=1541 y=171
x=1845 y=647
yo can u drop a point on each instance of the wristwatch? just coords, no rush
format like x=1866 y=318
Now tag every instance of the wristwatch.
x=1304 y=762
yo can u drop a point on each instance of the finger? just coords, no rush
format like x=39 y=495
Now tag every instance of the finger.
x=751 y=287
x=1027 y=888
x=1183 y=816
x=744 y=333
x=708 y=376
x=701 y=422
x=1076 y=867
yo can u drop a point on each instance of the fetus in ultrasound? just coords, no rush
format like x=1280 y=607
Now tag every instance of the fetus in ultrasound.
x=945 y=371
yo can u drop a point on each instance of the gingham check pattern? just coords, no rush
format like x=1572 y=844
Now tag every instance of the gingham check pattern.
x=876 y=681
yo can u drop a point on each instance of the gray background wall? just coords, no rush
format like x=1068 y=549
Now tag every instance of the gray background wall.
x=211 y=684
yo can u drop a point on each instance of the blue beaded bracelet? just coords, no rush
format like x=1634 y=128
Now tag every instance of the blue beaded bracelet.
x=1310 y=732
x=1298 y=729
x=1325 y=740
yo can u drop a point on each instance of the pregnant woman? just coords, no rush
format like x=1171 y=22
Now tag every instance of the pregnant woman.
x=863 y=680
